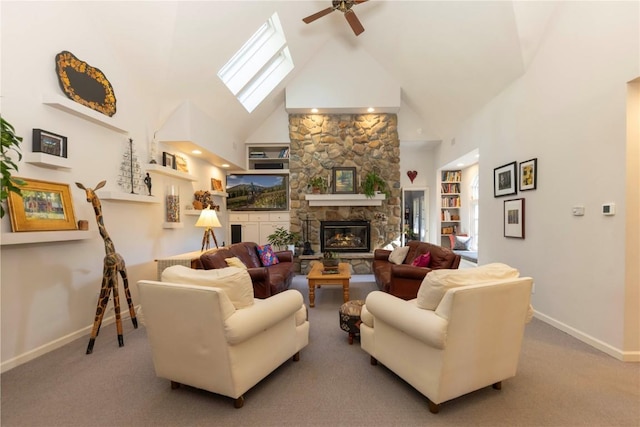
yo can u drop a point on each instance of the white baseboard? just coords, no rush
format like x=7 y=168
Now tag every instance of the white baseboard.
x=53 y=345
x=625 y=356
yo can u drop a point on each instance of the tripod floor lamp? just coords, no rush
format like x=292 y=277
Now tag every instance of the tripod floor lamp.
x=208 y=219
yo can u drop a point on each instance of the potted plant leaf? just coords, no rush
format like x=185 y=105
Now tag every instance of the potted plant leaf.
x=284 y=239
x=318 y=184
x=10 y=142
x=373 y=183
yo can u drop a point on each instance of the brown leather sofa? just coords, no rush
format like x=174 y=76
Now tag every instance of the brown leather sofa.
x=404 y=280
x=267 y=281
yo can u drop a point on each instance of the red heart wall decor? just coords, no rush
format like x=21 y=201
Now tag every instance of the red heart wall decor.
x=412 y=175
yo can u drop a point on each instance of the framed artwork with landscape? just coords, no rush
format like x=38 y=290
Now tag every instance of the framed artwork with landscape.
x=43 y=206
x=344 y=180
x=504 y=180
x=256 y=192
x=514 y=218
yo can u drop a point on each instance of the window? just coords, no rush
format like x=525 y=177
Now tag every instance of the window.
x=474 y=212
x=259 y=66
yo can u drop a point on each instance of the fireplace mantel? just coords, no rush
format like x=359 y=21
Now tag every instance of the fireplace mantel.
x=344 y=199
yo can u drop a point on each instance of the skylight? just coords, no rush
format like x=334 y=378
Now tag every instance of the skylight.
x=259 y=66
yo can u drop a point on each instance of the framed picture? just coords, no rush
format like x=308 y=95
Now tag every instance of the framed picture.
x=255 y=192
x=43 y=206
x=216 y=185
x=504 y=180
x=344 y=180
x=528 y=175
x=181 y=163
x=168 y=160
x=514 y=218
x=49 y=143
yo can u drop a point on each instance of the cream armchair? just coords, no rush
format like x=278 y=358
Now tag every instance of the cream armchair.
x=200 y=337
x=457 y=336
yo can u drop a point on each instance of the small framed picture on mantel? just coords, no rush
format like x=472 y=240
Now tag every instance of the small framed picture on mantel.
x=49 y=143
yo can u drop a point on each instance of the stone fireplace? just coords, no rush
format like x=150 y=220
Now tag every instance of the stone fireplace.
x=345 y=236
x=368 y=142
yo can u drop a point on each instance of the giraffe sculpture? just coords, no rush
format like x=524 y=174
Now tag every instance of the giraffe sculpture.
x=113 y=264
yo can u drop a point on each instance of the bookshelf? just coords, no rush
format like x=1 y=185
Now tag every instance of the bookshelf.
x=268 y=157
x=450 y=204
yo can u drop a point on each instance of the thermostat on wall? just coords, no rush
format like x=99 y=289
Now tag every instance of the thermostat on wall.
x=609 y=209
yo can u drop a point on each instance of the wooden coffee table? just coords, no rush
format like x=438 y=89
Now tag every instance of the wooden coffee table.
x=317 y=278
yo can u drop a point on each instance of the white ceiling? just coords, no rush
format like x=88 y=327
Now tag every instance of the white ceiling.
x=450 y=57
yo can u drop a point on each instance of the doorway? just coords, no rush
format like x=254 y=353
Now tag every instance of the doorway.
x=415 y=215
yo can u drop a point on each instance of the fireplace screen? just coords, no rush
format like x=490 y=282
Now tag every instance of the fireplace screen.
x=345 y=236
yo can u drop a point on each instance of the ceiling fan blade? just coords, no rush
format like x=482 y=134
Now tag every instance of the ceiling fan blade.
x=317 y=15
x=354 y=22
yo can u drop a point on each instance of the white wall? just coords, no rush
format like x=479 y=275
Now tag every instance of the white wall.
x=49 y=289
x=568 y=111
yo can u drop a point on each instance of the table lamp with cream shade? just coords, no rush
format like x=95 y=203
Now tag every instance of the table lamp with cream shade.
x=208 y=219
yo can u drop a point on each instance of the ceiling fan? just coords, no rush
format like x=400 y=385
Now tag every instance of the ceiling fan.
x=343 y=6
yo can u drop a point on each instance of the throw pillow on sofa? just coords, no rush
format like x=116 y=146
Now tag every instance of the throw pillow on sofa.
x=423 y=260
x=235 y=262
x=267 y=255
x=234 y=282
x=461 y=243
x=438 y=282
x=398 y=255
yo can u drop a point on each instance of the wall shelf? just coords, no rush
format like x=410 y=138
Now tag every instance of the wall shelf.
x=127 y=197
x=65 y=104
x=47 y=160
x=344 y=199
x=26 y=237
x=163 y=170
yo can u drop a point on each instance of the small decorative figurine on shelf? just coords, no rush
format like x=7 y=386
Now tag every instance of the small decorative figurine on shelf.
x=147 y=182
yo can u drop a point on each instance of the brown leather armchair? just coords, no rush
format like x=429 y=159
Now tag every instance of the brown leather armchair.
x=404 y=280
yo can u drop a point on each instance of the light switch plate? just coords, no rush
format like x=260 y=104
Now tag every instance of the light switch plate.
x=577 y=210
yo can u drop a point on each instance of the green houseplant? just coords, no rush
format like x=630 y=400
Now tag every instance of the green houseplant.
x=318 y=184
x=373 y=182
x=330 y=260
x=10 y=142
x=283 y=238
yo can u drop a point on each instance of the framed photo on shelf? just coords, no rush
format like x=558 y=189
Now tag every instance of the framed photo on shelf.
x=504 y=180
x=43 y=206
x=168 y=160
x=514 y=218
x=216 y=185
x=49 y=143
x=528 y=175
x=343 y=180
x=181 y=163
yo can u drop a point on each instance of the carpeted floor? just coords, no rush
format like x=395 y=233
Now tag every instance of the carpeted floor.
x=561 y=382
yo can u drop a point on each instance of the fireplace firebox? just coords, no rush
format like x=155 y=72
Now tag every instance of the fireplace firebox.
x=345 y=236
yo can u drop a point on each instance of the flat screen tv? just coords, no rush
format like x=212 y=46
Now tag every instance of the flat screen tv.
x=258 y=192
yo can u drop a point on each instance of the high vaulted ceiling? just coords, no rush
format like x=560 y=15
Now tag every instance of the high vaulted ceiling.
x=449 y=57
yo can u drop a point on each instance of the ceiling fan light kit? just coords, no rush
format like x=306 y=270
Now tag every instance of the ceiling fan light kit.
x=344 y=7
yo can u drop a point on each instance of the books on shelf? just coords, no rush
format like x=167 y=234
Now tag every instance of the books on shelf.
x=284 y=153
x=451 y=176
x=450 y=188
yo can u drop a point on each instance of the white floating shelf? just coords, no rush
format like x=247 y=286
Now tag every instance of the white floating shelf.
x=47 y=160
x=192 y=212
x=127 y=197
x=344 y=200
x=219 y=193
x=173 y=225
x=163 y=170
x=65 y=104
x=25 y=237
